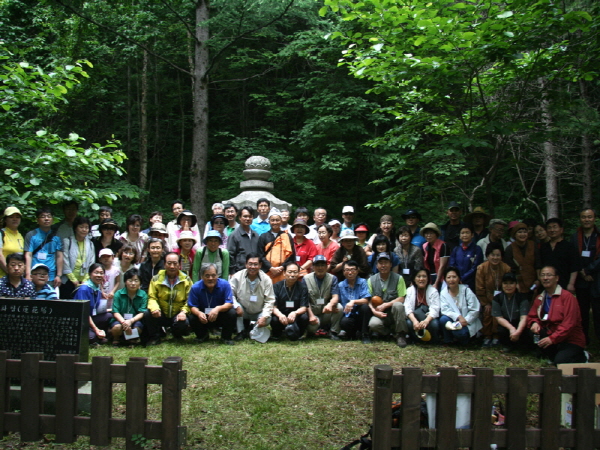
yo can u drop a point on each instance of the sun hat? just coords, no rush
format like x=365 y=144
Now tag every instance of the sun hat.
x=478 y=211
x=302 y=223
x=211 y=234
x=348 y=234
x=431 y=226
x=187 y=213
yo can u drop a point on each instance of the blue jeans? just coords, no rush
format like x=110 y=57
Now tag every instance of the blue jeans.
x=461 y=336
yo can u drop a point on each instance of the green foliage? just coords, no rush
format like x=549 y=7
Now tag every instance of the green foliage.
x=461 y=80
x=40 y=166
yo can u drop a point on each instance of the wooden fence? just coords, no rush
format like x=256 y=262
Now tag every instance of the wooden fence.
x=31 y=422
x=516 y=385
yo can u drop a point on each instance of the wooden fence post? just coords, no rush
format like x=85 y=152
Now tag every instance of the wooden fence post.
x=412 y=378
x=584 y=407
x=173 y=383
x=481 y=408
x=32 y=396
x=382 y=407
x=66 y=398
x=4 y=388
x=102 y=401
x=135 y=400
x=516 y=409
x=550 y=409
x=446 y=408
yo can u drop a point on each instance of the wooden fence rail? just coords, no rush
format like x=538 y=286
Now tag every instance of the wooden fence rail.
x=31 y=422
x=516 y=385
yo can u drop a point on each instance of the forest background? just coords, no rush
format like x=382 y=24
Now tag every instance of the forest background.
x=388 y=103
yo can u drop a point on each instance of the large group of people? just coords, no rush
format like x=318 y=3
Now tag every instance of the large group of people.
x=266 y=274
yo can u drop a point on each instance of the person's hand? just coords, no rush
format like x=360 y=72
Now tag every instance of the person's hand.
x=380 y=314
x=213 y=315
x=283 y=320
x=327 y=309
x=313 y=320
x=57 y=281
x=262 y=322
x=535 y=328
x=101 y=333
x=291 y=317
x=588 y=278
x=463 y=321
x=181 y=316
x=201 y=317
x=156 y=313
x=546 y=342
x=349 y=306
x=239 y=311
x=383 y=307
x=487 y=310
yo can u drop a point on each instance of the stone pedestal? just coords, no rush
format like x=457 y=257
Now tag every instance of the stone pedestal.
x=256 y=186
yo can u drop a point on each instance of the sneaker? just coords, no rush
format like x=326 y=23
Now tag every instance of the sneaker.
x=227 y=341
x=152 y=342
x=401 y=342
x=201 y=339
x=366 y=340
x=487 y=342
x=335 y=337
x=342 y=334
x=495 y=343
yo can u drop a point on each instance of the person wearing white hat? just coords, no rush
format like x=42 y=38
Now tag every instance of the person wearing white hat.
x=275 y=248
x=348 y=216
x=349 y=251
x=11 y=240
x=39 y=278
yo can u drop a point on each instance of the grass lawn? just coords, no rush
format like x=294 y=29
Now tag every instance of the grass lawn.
x=313 y=394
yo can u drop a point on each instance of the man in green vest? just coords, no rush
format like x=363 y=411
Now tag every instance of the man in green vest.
x=389 y=317
x=323 y=293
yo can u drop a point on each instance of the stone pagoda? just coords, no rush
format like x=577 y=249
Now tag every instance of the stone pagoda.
x=256 y=186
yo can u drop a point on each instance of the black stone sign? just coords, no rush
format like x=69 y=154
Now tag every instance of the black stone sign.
x=52 y=327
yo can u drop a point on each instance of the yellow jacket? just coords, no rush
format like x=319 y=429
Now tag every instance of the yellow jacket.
x=170 y=301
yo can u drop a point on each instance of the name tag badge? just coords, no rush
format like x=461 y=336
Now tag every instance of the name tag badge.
x=545 y=317
x=497 y=292
x=253 y=298
x=94 y=312
x=320 y=301
x=406 y=271
x=207 y=310
x=289 y=304
x=586 y=253
x=42 y=256
x=297 y=258
x=128 y=316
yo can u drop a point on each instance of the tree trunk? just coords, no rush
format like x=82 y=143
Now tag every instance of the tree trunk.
x=549 y=160
x=129 y=125
x=586 y=156
x=144 y=125
x=198 y=171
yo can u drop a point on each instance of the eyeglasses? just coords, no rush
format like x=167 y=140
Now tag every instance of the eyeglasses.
x=249 y=264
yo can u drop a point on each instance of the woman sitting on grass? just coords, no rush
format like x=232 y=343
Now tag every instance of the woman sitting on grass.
x=129 y=306
x=460 y=310
x=99 y=316
x=422 y=308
